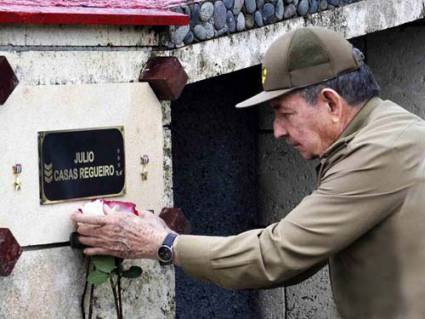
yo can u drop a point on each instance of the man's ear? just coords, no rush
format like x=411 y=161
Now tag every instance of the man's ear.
x=333 y=101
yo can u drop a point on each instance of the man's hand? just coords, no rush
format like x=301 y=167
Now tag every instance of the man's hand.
x=121 y=235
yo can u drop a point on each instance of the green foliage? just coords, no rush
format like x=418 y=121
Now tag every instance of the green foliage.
x=132 y=272
x=104 y=267
x=105 y=264
x=97 y=277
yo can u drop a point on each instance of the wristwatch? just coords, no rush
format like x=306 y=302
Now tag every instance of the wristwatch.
x=165 y=252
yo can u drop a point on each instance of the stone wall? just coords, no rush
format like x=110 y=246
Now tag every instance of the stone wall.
x=210 y=19
x=215 y=181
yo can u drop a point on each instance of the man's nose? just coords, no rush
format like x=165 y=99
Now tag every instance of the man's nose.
x=279 y=130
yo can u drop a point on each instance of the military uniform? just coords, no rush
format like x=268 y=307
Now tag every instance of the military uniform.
x=367 y=217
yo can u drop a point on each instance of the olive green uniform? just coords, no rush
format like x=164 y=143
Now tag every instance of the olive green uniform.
x=367 y=217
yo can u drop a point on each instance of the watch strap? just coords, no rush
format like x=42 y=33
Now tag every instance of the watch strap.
x=167 y=244
x=169 y=240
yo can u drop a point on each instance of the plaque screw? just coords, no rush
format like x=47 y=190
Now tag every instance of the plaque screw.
x=144 y=160
x=17 y=170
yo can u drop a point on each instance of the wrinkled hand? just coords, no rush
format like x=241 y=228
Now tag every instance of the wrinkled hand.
x=121 y=235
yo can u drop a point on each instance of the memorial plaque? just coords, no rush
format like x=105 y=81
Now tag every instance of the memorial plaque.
x=77 y=164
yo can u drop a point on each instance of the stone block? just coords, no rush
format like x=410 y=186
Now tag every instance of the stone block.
x=166 y=76
x=9 y=251
x=8 y=80
x=284 y=178
x=150 y=296
x=176 y=220
x=46 y=284
x=312 y=299
x=400 y=73
x=272 y=303
x=49 y=283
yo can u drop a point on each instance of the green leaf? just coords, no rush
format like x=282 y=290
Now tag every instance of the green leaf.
x=132 y=272
x=97 y=277
x=104 y=263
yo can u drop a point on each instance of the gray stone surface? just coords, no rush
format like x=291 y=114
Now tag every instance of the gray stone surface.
x=222 y=31
x=189 y=38
x=312 y=299
x=214 y=182
x=49 y=284
x=196 y=12
x=240 y=22
x=230 y=21
x=209 y=30
x=207 y=59
x=200 y=32
x=290 y=11
x=249 y=21
x=180 y=34
x=272 y=303
x=284 y=178
x=303 y=7
x=168 y=170
x=168 y=198
x=250 y=6
x=260 y=4
x=185 y=10
x=397 y=59
x=77 y=36
x=228 y=3
x=237 y=6
x=44 y=284
x=314 y=6
x=204 y=31
x=219 y=15
x=149 y=296
x=258 y=17
x=207 y=11
x=323 y=4
x=268 y=13
x=279 y=9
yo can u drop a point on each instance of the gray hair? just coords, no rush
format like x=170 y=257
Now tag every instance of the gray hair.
x=355 y=87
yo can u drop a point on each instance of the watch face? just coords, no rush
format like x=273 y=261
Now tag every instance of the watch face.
x=165 y=254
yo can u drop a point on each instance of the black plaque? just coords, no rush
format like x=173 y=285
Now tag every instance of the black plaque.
x=80 y=164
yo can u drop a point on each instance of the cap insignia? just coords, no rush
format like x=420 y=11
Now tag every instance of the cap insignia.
x=264 y=75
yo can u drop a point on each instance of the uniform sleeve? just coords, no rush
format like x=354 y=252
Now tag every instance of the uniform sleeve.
x=353 y=197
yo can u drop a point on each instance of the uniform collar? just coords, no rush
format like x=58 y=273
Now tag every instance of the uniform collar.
x=358 y=121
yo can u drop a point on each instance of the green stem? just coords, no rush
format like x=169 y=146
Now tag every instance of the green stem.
x=115 y=297
x=83 y=297
x=119 y=294
x=91 y=301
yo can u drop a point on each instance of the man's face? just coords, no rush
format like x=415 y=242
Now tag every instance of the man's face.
x=308 y=128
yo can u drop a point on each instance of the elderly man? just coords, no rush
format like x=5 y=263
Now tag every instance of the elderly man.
x=366 y=216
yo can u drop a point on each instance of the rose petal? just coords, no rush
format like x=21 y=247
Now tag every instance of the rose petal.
x=93 y=208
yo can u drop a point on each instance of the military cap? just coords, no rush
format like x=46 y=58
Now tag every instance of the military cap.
x=301 y=58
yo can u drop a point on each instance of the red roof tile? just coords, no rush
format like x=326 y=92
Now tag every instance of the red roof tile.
x=120 y=12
